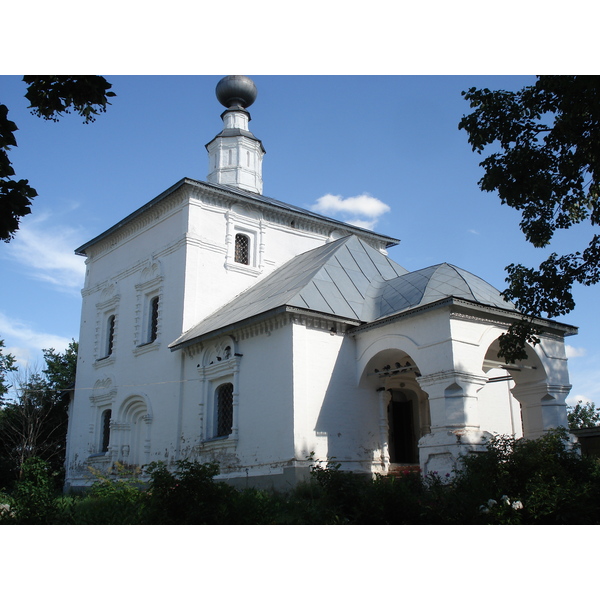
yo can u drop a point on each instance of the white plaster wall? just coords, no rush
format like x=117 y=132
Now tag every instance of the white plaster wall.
x=265 y=406
x=499 y=412
x=332 y=417
x=153 y=254
x=425 y=337
x=212 y=278
x=264 y=411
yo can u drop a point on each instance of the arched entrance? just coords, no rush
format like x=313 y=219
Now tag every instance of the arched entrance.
x=539 y=384
x=403 y=407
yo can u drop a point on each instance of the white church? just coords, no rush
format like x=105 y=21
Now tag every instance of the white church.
x=222 y=325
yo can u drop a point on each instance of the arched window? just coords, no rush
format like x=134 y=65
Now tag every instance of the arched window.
x=224 y=410
x=242 y=249
x=153 y=329
x=110 y=335
x=104 y=442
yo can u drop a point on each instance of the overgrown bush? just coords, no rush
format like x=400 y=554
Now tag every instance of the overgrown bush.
x=541 y=481
x=115 y=499
x=33 y=501
x=187 y=496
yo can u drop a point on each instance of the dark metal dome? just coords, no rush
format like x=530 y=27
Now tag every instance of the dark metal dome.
x=236 y=91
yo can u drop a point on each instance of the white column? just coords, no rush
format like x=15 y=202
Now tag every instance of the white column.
x=384 y=399
x=454 y=413
x=543 y=407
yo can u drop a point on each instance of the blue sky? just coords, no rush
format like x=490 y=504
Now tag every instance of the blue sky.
x=382 y=150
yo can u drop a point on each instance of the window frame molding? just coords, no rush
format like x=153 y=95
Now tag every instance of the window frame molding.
x=102 y=399
x=146 y=292
x=105 y=309
x=254 y=229
x=222 y=369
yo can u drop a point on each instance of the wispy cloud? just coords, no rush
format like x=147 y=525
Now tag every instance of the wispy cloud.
x=361 y=211
x=25 y=343
x=573 y=352
x=46 y=250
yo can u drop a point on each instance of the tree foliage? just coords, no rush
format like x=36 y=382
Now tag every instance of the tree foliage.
x=50 y=97
x=34 y=425
x=583 y=415
x=544 y=162
x=7 y=365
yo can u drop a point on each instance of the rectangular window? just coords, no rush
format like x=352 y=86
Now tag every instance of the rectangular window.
x=224 y=410
x=106 y=416
x=242 y=249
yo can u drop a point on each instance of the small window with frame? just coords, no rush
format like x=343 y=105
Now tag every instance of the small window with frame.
x=224 y=410
x=110 y=336
x=242 y=249
x=153 y=319
x=105 y=432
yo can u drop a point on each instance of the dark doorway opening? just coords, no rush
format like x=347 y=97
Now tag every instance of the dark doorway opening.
x=403 y=441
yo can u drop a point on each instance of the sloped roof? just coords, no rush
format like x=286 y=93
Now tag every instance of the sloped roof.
x=431 y=284
x=331 y=279
x=347 y=279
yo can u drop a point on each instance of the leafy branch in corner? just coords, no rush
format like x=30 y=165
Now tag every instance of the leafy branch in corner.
x=545 y=163
x=50 y=97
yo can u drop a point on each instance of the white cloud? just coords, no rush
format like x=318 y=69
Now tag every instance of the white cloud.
x=362 y=223
x=573 y=352
x=25 y=344
x=362 y=211
x=47 y=252
x=578 y=398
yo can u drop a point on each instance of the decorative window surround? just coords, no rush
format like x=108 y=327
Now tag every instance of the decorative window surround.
x=151 y=287
x=254 y=230
x=220 y=366
x=106 y=308
x=102 y=398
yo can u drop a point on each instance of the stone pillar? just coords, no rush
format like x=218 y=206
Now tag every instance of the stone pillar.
x=384 y=399
x=236 y=401
x=454 y=420
x=543 y=407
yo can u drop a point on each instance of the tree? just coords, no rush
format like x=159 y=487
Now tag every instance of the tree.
x=7 y=365
x=50 y=97
x=35 y=424
x=582 y=415
x=545 y=163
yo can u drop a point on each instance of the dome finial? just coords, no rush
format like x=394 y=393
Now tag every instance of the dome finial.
x=236 y=92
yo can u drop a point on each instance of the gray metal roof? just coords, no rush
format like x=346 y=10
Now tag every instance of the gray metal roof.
x=347 y=279
x=333 y=279
x=431 y=284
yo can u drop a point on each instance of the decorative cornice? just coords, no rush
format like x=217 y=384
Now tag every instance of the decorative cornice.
x=142 y=218
x=451 y=375
x=223 y=196
x=471 y=311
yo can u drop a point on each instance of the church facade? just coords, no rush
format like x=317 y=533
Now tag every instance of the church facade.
x=222 y=325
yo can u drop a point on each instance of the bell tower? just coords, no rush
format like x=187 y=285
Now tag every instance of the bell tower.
x=235 y=155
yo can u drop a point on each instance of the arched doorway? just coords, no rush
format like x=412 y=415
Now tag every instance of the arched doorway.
x=403 y=406
x=537 y=386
